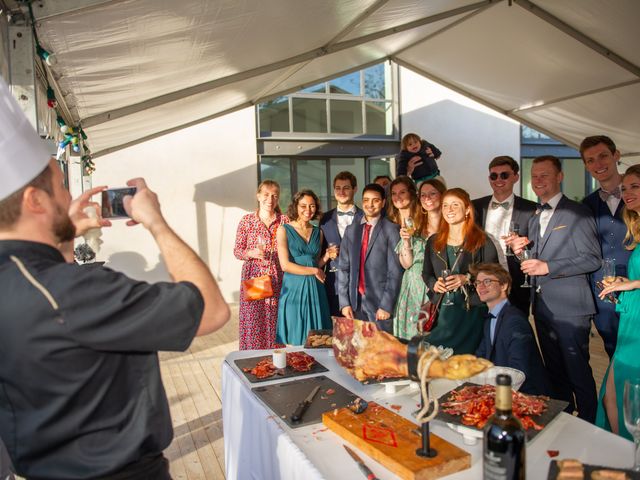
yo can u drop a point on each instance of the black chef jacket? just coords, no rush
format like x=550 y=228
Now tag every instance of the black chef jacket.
x=80 y=387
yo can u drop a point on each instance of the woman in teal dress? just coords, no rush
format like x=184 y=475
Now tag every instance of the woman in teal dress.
x=303 y=303
x=424 y=211
x=459 y=326
x=625 y=364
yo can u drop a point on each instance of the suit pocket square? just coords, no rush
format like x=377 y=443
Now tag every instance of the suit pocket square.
x=559 y=227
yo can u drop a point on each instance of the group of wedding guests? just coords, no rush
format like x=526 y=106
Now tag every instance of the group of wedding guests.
x=487 y=264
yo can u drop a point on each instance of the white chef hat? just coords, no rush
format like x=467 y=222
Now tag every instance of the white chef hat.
x=22 y=153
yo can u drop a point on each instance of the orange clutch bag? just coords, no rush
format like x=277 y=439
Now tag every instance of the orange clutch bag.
x=257 y=288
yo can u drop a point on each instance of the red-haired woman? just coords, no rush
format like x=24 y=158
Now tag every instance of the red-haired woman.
x=256 y=245
x=459 y=325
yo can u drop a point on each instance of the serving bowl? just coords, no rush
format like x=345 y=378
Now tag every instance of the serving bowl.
x=488 y=377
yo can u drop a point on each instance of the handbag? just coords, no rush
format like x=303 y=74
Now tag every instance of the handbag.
x=428 y=315
x=259 y=288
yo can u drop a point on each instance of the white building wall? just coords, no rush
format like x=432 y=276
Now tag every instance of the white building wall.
x=205 y=177
x=468 y=133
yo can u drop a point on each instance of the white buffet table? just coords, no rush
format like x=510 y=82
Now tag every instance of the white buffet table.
x=259 y=445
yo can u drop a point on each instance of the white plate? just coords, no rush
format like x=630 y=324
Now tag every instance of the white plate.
x=470 y=436
x=488 y=377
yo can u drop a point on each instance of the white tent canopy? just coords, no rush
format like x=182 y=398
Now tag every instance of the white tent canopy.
x=131 y=70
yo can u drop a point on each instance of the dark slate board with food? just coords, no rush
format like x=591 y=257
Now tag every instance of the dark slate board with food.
x=589 y=470
x=247 y=364
x=283 y=398
x=319 y=339
x=554 y=407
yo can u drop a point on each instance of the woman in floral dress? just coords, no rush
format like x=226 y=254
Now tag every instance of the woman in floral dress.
x=410 y=249
x=256 y=245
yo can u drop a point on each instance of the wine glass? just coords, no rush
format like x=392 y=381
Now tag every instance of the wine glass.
x=332 y=254
x=608 y=272
x=261 y=244
x=525 y=255
x=446 y=301
x=631 y=407
x=410 y=227
x=514 y=230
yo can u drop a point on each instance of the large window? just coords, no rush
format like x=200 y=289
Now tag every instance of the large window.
x=354 y=105
x=299 y=173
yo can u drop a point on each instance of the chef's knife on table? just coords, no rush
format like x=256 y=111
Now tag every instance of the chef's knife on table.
x=363 y=468
x=296 y=416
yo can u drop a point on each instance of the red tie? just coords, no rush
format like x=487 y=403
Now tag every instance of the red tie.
x=363 y=256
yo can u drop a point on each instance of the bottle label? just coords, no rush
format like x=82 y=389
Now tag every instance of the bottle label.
x=493 y=467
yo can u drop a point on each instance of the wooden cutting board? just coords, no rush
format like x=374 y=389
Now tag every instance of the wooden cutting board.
x=390 y=439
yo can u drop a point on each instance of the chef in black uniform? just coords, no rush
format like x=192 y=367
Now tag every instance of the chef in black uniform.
x=80 y=389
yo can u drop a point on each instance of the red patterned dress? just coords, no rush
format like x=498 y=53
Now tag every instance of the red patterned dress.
x=258 y=318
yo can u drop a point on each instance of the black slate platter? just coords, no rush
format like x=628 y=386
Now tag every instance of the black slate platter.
x=286 y=372
x=589 y=469
x=283 y=398
x=554 y=407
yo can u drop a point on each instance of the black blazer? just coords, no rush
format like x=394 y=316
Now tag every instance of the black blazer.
x=515 y=346
x=523 y=210
x=436 y=261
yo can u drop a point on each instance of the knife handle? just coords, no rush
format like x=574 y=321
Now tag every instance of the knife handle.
x=367 y=473
x=299 y=411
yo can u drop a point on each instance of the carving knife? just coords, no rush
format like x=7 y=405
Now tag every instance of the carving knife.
x=363 y=468
x=302 y=406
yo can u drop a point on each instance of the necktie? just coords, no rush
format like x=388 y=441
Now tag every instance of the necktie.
x=604 y=195
x=363 y=256
x=496 y=205
x=541 y=207
x=350 y=213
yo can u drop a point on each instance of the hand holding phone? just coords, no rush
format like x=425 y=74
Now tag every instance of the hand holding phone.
x=609 y=297
x=113 y=204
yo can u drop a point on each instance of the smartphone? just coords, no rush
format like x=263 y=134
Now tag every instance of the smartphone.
x=609 y=297
x=112 y=204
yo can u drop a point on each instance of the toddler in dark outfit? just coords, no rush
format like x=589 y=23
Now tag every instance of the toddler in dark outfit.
x=413 y=146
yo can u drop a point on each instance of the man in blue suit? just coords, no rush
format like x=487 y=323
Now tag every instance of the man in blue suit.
x=565 y=248
x=508 y=339
x=369 y=273
x=333 y=224
x=601 y=158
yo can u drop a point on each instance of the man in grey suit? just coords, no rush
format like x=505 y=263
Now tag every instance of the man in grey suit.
x=369 y=273
x=565 y=248
x=495 y=213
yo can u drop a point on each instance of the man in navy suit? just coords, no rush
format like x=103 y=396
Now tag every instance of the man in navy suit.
x=369 y=273
x=601 y=158
x=494 y=214
x=564 y=244
x=508 y=339
x=333 y=224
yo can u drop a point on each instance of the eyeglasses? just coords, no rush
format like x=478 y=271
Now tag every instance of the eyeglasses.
x=503 y=176
x=486 y=282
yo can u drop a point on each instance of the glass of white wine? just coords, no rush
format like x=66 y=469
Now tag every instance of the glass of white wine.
x=608 y=272
x=333 y=247
x=631 y=407
x=410 y=227
x=447 y=301
x=525 y=255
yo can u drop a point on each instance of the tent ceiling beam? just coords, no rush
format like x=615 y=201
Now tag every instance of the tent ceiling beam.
x=579 y=36
x=251 y=73
x=46 y=10
x=483 y=101
x=546 y=103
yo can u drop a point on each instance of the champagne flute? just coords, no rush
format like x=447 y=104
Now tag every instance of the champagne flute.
x=631 y=407
x=332 y=254
x=525 y=255
x=608 y=272
x=446 y=301
x=514 y=230
x=261 y=244
x=410 y=227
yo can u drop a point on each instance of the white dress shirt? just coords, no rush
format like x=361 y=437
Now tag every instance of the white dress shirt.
x=344 y=220
x=496 y=224
x=545 y=215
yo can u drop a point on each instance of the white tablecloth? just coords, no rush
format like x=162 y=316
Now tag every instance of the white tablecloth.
x=259 y=445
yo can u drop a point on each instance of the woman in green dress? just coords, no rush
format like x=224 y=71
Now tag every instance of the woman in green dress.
x=458 y=244
x=303 y=303
x=424 y=211
x=624 y=363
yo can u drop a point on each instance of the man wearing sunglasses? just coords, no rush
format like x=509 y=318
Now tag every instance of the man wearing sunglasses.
x=495 y=214
x=508 y=339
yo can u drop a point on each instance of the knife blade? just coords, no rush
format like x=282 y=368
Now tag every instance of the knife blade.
x=296 y=416
x=363 y=468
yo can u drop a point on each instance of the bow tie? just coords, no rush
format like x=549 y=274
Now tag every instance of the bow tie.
x=504 y=205
x=544 y=206
x=489 y=316
x=604 y=195
x=350 y=213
